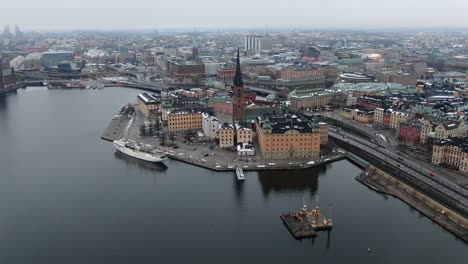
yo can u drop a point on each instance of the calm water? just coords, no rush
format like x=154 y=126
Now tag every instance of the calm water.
x=67 y=197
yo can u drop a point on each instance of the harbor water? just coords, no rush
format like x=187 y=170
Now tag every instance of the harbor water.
x=66 y=196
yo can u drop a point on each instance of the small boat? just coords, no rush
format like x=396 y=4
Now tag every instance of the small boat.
x=240 y=174
x=139 y=151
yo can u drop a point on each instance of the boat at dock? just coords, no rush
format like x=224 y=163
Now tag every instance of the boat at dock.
x=240 y=174
x=139 y=151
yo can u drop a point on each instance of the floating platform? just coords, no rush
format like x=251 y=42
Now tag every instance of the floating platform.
x=306 y=224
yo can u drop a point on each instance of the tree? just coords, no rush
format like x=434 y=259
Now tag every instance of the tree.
x=142 y=130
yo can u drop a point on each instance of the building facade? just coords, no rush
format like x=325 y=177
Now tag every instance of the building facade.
x=452 y=153
x=409 y=133
x=210 y=126
x=323 y=129
x=450 y=129
x=244 y=135
x=184 y=121
x=7 y=76
x=148 y=102
x=358 y=115
x=226 y=135
x=286 y=137
x=221 y=104
x=226 y=75
x=258 y=43
x=309 y=99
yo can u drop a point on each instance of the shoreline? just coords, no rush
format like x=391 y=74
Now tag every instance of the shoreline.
x=384 y=183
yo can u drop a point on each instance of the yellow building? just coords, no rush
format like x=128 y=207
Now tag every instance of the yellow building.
x=148 y=102
x=425 y=130
x=286 y=137
x=184 y=121
x=358 y=115
x=451 y=152
x=226 y=135
x=450 y=129
x=244 y=135
x=396 y=118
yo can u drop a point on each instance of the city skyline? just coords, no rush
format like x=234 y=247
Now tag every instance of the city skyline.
x=211 y=14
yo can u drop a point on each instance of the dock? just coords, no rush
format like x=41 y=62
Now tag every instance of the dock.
x=306 y=224
x=116 y=128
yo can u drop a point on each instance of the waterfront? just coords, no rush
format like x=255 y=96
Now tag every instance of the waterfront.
x=66 y=196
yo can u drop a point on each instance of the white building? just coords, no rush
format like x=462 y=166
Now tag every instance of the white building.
x=210 y=126
x=258 y=43
x=245 y=149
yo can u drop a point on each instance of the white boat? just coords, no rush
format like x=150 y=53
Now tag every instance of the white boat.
x=240 y=174
x=139 y=151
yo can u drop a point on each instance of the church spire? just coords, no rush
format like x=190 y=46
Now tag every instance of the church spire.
x=238 y=77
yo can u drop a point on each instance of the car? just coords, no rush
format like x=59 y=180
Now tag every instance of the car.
x=206 y=155
x=432 y=174
x=176 y=147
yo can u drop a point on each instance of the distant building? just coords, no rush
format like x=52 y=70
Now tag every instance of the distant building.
x=226 y=75
x=222 y=104
x=359 y=115
x=188 y=69
x=148 y=102
x=389 y=117
x=258 y=43
x=51 y=60
x=7 y=76
x=350 y=77
x=371 y=103
x=303 y=99
x=311 y=52
x=393 y=77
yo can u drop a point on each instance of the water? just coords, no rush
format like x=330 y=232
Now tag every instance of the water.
x=67 y=197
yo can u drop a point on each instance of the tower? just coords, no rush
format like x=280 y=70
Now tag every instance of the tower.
x=238 y=113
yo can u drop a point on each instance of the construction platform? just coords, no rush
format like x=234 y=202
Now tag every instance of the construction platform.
x=305 y=223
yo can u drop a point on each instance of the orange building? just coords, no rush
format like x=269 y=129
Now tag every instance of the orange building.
x=287 y=137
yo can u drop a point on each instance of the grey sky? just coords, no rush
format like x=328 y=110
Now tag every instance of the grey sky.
x=157 y=14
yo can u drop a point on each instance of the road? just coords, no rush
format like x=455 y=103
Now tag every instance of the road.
x=452 y=194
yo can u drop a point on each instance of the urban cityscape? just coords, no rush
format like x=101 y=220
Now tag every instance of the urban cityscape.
x=258 y=144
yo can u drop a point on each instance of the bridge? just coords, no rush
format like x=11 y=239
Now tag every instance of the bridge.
x=415 y=175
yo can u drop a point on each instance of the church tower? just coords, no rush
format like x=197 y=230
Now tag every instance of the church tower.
x=238 y=94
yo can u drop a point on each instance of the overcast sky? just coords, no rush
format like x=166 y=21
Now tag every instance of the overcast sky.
x=157 y=14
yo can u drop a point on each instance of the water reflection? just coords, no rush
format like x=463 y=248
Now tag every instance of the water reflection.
x=140 y=163
x=290 y=181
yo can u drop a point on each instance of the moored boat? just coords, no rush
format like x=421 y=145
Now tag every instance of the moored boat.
x=139 y=151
